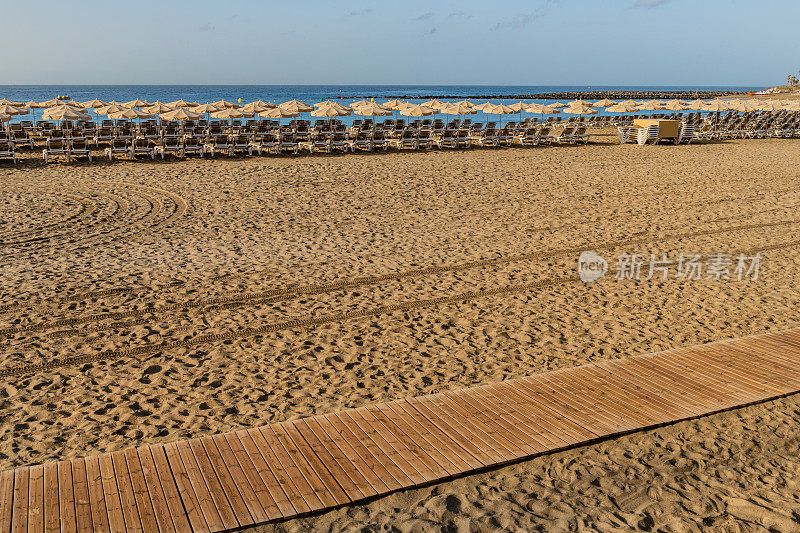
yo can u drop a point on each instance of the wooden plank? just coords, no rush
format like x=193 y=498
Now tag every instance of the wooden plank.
x=317 y=464
x=372 y=470
x=52 y=519
x=286 y=480
x=455 y=458
x=184 y=486
x=300 y=482
x=180 y=519
x=380 y=457
x=83 y=506
x=273 y=486
x=205 y=501
x=215 y=490
x=97 y=497
x=428 y=448
x=458 y=433
x=19 y=522
x=6 y=500
x=502 y=427
x=36 y=499
x=144 y=505
x=247 y=477
x=227 y=483
x=502 y=407
x=246 y=491
x=253 y=478
x=127 y=498
x=68 y=522
x=157 y=497
x=116 y=520
x=387 y=445
x=341 y=469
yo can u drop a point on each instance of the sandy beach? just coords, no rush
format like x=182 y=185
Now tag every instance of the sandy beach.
x=402 y=274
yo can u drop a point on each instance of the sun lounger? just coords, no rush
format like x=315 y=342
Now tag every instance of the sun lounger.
x=191 y=145
x=118 y=146
x=241 y=144
x=55 y=147
x=79 y=146
x=143 y=147
x=170 y=145
x=7 y=150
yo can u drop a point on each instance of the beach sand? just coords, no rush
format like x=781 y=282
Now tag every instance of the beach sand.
x=102 y=258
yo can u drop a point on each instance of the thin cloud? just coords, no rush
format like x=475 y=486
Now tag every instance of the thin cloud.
x=360 y=12
x=207 y=27
x=517 y=22
x=425 y=16
x=430 y=32
x=459 y=15
x=649 y=3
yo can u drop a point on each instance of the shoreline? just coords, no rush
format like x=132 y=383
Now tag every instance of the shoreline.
x=566 y=95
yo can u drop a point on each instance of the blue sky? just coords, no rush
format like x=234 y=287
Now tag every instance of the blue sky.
x=514 y=42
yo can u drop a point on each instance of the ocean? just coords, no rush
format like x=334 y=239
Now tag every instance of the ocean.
x=309 y=94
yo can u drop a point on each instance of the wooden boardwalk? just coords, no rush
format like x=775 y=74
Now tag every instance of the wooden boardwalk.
x=256 y=475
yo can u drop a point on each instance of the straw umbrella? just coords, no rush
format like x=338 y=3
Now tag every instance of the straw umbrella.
x=541 y=109
x=226 y=105
x=7 y=109
x=279 y=113
x=65 y=113
x=621 y=108
x=651 y=106
x=395 y=104
x=417 y=111
x=331 y=111
x=181 y=115
x=131 y=114
x=33 y=106
x=158 y=108
x=557 y=105
x=331 y=103
x=296 y=105
x=11 y=103
x=435 y=104
x=183 y=103
x=605 y=102
x=499 y=109
x=359 y=103
x=372 y=108
x=206 y=109
x=136 y=103
x=458 y=109
x=95 y=105
x=580 y=110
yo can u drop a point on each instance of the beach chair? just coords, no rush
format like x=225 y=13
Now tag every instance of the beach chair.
x=286 y=141
x=363 y=141
x=219 y=143
x=408 y=140
x=143 y=147
x=170 y=145
x=462 y=139
x=79 y=146
x=55 y=147
x=647 y=135
x=379 y=140
x=7 y=150
x=118 y=146
x=685 y=133
x=565 y=135
x=627 y=134
x=241 y=144
x=104 y=134
x=528 y=137
x=192 y=145
x=425 y=141
x=580 y=136
x=20 y=137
